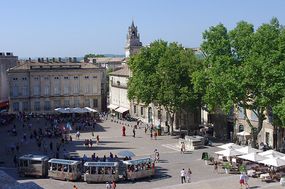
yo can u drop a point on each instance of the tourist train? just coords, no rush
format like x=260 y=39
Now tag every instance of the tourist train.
x=89 y=171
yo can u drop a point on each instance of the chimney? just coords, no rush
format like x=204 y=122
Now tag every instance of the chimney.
x=53 y=59
x=69 y=59
x=42 y=60
x=39 y=59
x=59 y=59
x=47 y=59
x=30 y=60
x=74 y=59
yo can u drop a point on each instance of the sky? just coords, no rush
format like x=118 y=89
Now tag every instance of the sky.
x=62 y=28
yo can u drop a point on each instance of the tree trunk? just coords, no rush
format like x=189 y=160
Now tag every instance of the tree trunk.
x=171 y=124
x=255 y=131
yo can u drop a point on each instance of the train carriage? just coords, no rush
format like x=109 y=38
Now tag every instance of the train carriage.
x=101 y=171
x=62 y=169
x=33 y=165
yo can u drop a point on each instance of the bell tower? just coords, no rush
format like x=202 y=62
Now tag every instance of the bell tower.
x=133 y=44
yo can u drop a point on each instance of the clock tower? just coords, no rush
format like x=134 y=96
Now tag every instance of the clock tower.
x=133 y=44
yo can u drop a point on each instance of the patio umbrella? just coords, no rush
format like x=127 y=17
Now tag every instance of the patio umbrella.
x=126 y=153
x=90 y=109
x=272 y=154
x=247 y=150
x=229 y=146
x=276 y=162
x=255 y=157
x=228 y=152
x=243 y=133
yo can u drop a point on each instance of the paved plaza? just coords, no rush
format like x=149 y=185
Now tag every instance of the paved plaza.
x=168 y=170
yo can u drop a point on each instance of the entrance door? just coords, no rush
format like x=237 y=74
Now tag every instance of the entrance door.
x=149 y=115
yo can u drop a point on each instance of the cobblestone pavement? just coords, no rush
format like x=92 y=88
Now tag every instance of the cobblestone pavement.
x=168 y=170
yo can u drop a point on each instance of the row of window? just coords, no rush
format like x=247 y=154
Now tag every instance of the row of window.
x=159 y=112
x=56 y=78
x=57 y=104
x=67 y=90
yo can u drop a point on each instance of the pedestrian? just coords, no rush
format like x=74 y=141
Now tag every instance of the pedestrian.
x=123 y=131
x=242 y=180
x=155 y=135
x=108 y=185
x=246 y=178
x=134 y=132
x=114 y=185
x=216 y=166
x=183 y=174
x=156 y=156
x=97 y=139
x=182 y=147
x=150 y=134
x=91 y=143
x=15 y=160
x=189 y=173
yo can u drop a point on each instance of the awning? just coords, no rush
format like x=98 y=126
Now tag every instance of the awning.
x=121 y=110
x=112 y=106
x=90 y=109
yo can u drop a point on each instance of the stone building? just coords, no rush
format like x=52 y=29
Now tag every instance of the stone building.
x=7 y=60
x=44 y=85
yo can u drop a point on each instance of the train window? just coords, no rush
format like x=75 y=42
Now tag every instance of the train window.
x=32 y=162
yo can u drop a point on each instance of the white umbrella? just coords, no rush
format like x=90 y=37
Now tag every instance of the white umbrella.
x=253 y=157
x=90 y=109
x=243 y=133
x=247 y=150
x=230 y=146
x=276 y=162
x=228 y=153
x=272 y=154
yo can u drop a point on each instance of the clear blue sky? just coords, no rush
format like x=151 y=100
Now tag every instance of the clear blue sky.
x=32 y=28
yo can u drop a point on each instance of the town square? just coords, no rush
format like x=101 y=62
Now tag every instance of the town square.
x=142 y=94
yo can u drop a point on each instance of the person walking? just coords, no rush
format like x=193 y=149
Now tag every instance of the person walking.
x=134 y=132
x=123 y=131
x=114 y=185
x=182 y=175
x=97 y=139
x=189 y=173
x=182 y=147
x=216 y=167
x=242 y=180
x=108 y=185
x=246 y=178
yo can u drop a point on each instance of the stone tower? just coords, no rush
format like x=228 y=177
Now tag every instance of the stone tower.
x=133 y=41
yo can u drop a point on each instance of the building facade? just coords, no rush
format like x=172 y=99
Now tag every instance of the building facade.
x=42 y=86
x=118 y=93
x=7 y=60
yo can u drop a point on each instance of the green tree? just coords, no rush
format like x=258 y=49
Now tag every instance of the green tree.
x=161 y=74
x=243 y=68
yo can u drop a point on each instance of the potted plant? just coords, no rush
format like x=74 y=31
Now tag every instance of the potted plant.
x=242 y=169
x=227 y=167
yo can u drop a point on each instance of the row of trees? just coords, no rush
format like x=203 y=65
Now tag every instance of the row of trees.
x=243 y=67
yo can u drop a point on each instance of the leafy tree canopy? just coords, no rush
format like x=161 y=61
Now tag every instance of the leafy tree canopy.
x=242 y=67
x=161 y=73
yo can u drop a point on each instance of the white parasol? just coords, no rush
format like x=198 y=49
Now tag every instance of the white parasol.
x=276 y=162
x=255 y=157
x=230 y=146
